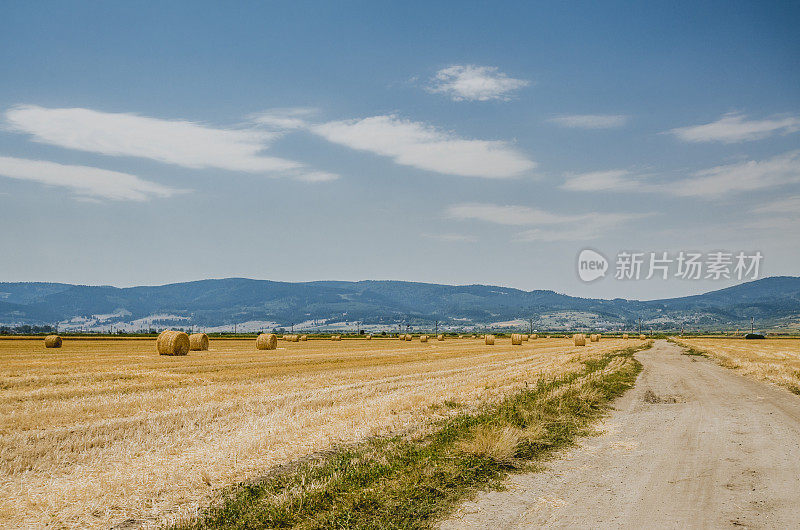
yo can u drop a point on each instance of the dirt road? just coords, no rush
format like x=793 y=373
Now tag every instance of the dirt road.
x=692 y=445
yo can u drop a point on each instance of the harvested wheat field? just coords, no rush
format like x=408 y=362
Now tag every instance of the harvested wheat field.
x=773 y=360
x=101 y=431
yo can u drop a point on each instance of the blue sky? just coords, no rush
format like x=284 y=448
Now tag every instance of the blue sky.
x=147 y=143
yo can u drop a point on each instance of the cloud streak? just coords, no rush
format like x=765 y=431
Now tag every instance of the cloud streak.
x=615 y=179
x=475 y=83
x=590 y=121
x=787 y=205
x=708 y=183
x=734 y=128
x=424 y=147
x=284 y=119
x=450 y=237
x=85 y=182
x=316 y=176
x=177 y=142
x=506 y=214
x=543 y=226
x=742 y=177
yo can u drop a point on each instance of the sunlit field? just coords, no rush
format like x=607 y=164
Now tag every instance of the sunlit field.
x=101 y=431
x=774 y=360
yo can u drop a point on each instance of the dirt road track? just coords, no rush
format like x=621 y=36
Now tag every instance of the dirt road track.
x=692 y=445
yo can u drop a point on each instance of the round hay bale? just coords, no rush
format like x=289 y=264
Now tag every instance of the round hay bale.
x=401 y=336
x=52 y=341
x=423 y=338
x=489 y=340
x=198 y=342
x=642 y=337
x=624 y=335
x=525 y=337
x=172 y=343
x=304 y=337
x=516 y=339
x=534 y=336
x=580 y=339
x=409 y=337
x=593 y=338
x=336 y=337
x=267 y=341
x=291 y=338
x=439 y=337
x=368 y=337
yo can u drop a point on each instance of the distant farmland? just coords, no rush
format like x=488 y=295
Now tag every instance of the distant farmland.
x=101 y=431
x=773 y=360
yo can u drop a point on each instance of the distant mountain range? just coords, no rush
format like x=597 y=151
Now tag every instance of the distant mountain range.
x=254 y=305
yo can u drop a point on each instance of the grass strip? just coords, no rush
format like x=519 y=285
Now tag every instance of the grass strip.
x=398 y=482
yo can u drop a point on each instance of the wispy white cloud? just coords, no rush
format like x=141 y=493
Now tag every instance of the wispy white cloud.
x=545 y=226
x=734 y=127
x=409 y=143
x=615 y=179
x=284 y=119
x=576 y=233
x=178 y=142
x=779 y=228
x=708 y=183
x=316 y=176
x=592 y=225
x=85 y=182
x=590 y=121
x=475 y=83
x=506 y=214
x=786 y=205
x=451 y=238
x=745 y=176
x=422 y=146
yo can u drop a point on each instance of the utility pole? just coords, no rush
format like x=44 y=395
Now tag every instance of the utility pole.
x=752 y=324
x=234 y=328
x=436 y=327
x=530 y=321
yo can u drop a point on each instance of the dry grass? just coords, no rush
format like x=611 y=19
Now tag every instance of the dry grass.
x=104 y=430
x=773 y=360
x=497 y=443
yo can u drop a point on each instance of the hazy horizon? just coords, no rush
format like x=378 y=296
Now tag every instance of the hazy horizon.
x=578 y=295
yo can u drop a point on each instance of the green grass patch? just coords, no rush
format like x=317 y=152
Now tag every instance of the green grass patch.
x=402 y=482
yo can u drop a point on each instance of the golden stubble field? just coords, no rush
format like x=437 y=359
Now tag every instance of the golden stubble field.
x=101 y=431
x=773 y=360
